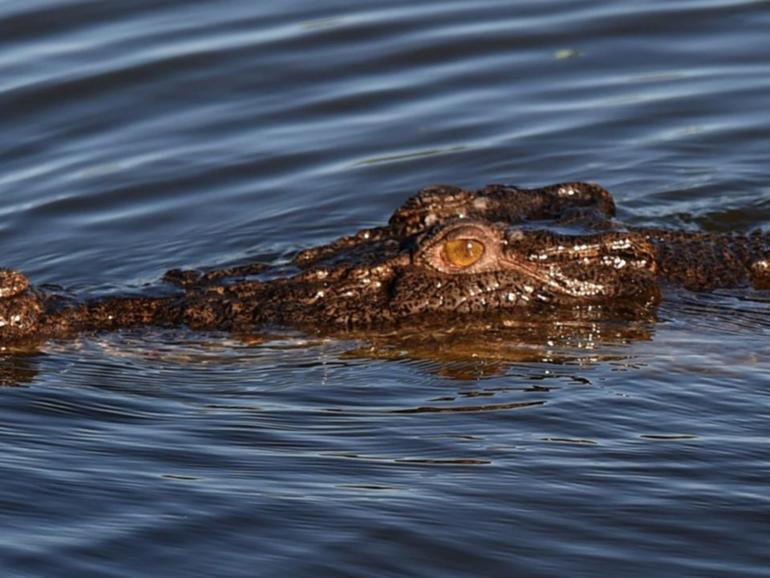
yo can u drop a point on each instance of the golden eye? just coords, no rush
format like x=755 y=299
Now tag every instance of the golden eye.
x=463 y=252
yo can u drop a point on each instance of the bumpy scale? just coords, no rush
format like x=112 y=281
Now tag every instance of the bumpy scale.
x=446 y=252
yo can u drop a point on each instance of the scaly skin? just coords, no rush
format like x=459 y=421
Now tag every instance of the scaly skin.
x=549 y=249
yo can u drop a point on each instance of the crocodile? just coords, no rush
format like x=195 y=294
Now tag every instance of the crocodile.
x=446 y=253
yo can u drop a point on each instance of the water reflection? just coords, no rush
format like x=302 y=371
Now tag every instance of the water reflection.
x=17 y=369
x=473 y=349
x=463 y=349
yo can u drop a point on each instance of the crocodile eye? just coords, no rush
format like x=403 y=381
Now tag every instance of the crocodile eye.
x=463 y=252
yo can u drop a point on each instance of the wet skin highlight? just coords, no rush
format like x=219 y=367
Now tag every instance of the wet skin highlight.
x=446 y=252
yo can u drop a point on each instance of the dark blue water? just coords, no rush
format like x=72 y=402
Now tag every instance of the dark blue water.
x=138 y=136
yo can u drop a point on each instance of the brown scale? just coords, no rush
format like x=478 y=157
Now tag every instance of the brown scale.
x=704 y=261
x=445 y=253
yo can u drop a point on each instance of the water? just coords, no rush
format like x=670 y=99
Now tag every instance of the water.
x=138 y=136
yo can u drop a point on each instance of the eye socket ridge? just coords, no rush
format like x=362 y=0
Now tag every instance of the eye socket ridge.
x=467 y=247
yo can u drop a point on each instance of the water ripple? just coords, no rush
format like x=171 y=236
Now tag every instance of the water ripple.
x=138 y=136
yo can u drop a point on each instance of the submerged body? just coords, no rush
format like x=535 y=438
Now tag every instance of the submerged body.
x=445 y=252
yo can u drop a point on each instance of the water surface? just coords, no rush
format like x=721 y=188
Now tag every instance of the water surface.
x=138 y=136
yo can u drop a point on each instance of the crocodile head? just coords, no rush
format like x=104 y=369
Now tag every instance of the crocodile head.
x=449 y=252
x=446 y=253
